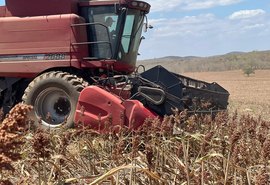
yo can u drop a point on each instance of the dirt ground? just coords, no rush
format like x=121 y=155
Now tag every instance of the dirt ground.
x=247 y=94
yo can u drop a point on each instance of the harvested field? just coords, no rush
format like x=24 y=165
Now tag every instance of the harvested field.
x=249 y=95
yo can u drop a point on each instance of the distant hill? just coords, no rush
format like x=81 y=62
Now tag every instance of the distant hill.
x=230 y=61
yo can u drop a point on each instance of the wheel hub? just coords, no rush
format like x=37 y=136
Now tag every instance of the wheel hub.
x=62 y=106
x=53 y=106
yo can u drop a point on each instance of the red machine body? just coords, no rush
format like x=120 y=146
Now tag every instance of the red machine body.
x=32 y=8
x=51 y=50
x=102 y=110
x=65 y=44
x=38 y=36
x=32 y=45
x=35 y=37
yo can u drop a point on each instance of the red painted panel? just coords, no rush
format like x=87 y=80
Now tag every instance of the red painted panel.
x=40 y=7
x=136 y=113
x=98 y=3
x=103 y=111
x=28 y=69
x=35 y=34
x=99 y=109
x=105 y=64
x=2 y=11
x=121 y=66
x=40 y=35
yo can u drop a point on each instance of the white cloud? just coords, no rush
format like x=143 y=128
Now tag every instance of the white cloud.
x=205 y=26
x=245 y=14
x=254 y=26
x=192 y=5
x=165 y=5
x=188 y=25
x=199 y=19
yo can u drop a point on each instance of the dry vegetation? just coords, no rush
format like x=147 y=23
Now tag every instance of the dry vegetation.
x=231 y=148
x=182 y=149
x=230 y=61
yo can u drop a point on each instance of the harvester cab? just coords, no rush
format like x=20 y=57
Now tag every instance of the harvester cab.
x=114 y=30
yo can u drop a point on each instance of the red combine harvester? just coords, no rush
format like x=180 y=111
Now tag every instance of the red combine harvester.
x=75 y=62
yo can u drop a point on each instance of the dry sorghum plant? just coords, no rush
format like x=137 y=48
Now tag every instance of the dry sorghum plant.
x=11 y=140
x=190 y=149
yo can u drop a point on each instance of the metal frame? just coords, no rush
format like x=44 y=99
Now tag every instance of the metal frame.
x=97 y=42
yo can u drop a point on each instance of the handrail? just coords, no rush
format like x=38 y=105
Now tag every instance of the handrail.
x=96 y=42
x=85 y=43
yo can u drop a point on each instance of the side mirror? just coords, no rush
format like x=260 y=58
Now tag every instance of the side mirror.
x=147 y=26
x=150 y=26
x=142 y=38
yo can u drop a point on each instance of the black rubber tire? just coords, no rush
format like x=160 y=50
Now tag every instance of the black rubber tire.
x=56 y=93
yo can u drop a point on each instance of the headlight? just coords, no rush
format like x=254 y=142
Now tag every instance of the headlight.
x=139 y=5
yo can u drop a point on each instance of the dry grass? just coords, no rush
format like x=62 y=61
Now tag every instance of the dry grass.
x=250 y=95
x=182 y=149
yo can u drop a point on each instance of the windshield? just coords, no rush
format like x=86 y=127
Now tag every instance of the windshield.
x=131 y=36
x=113 y=35
x=102 y=30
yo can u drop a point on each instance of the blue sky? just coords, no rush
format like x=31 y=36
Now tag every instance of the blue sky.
x=205 y=27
